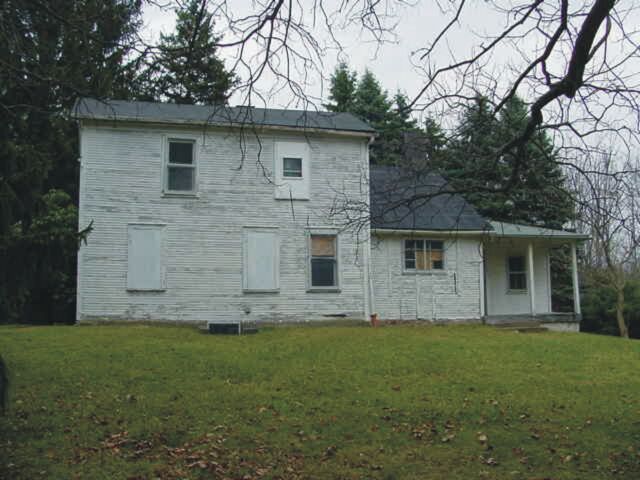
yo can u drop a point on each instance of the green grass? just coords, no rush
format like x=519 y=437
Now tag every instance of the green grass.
x=319 y=402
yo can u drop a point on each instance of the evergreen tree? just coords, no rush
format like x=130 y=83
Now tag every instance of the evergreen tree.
x=186 y=69
x=343 y=88
x=53 y=52
x=472 y=166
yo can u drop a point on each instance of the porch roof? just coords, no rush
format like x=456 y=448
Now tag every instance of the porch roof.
x=512 y=230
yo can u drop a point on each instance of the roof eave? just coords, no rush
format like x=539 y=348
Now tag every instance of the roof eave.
x=401 y=231
x=233 y=125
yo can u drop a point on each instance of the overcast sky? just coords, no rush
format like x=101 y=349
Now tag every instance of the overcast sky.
x=390 y=62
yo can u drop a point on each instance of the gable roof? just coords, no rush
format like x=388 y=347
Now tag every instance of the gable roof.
x=402 y=199
x=120 y=110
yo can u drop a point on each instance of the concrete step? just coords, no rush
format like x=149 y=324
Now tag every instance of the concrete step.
x=525 y=329
x=522 y=324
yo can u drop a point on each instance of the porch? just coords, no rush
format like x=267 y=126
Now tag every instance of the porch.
x=517 y=276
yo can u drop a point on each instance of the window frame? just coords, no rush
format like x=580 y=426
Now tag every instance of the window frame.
x=337 y=281
x=427 y=271
x=292 y=188
x=524 y=272
x=168 y=140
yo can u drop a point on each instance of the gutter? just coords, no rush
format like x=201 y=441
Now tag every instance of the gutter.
x=474 y=233
x=248 y=125
x=466 y=233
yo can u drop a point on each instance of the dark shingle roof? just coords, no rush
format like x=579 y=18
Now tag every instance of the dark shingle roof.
x=402 y=199
x=88 y=108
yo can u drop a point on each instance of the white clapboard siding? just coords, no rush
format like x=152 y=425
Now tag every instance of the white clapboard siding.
x=449 y=294
x=203 y=255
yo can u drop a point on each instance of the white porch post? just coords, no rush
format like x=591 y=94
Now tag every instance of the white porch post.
x=574 y=280
x=483 y=306
x=531 y=279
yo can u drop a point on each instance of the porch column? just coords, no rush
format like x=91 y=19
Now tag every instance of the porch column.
x=574 y=280
x=531 y=279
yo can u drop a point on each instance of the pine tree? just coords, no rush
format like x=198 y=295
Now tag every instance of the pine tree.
x=54 y=51
x=473 y=166
x=343 y=88
x=186 y=69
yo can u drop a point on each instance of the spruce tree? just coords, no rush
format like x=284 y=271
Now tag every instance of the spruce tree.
x=186 y=69
x=474 y=167
x=54 y=51
x=342 y=90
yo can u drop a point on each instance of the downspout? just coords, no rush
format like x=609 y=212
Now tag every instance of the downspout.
x=369 y=301
x=81 y=181
x=484 y=308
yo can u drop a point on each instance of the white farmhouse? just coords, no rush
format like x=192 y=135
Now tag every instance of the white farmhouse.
x=228 y=215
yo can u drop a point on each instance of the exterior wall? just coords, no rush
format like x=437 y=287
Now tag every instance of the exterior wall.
x=450 y=294
x=499 y=300
x=121 y=184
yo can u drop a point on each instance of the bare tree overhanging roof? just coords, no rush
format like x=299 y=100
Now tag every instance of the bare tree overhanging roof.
x=573 y=61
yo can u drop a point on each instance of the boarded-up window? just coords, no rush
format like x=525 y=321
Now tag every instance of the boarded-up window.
x=517 y=273
x=145 y=257
x=423 y=255
x=261 y=259
x=324 y=261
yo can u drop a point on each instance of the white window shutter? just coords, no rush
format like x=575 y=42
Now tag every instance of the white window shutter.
x=261 y=259
x=145 y=257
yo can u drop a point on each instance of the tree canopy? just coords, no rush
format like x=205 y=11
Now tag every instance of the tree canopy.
x=366 y=98
x=53 y=52
x=186 y=68
x=538 y=196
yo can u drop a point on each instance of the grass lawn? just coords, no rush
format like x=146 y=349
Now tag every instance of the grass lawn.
x=459 y=402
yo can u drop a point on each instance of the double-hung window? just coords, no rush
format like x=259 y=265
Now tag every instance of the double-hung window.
x=181 y=167
x=324 y=261
x=423 y=255
x=517 y=273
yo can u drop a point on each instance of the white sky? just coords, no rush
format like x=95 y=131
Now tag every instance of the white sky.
x=390 y=62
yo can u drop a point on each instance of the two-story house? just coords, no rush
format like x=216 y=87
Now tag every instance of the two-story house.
x=224 y=215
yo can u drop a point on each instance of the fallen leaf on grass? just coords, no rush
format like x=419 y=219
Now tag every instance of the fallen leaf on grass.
x=448 y=438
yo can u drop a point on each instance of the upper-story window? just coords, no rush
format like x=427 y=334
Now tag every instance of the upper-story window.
x=292 y=171
x=181 y=166
x=423 y=255
x=291 y=167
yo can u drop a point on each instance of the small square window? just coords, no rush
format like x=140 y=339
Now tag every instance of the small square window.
x=181 y=168
x=292 y=167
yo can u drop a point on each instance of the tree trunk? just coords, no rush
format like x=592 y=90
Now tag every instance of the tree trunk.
x=622 y=326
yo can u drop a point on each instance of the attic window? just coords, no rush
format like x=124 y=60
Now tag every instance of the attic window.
x=292 y=167
x=423 y=255
x=181 y=166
